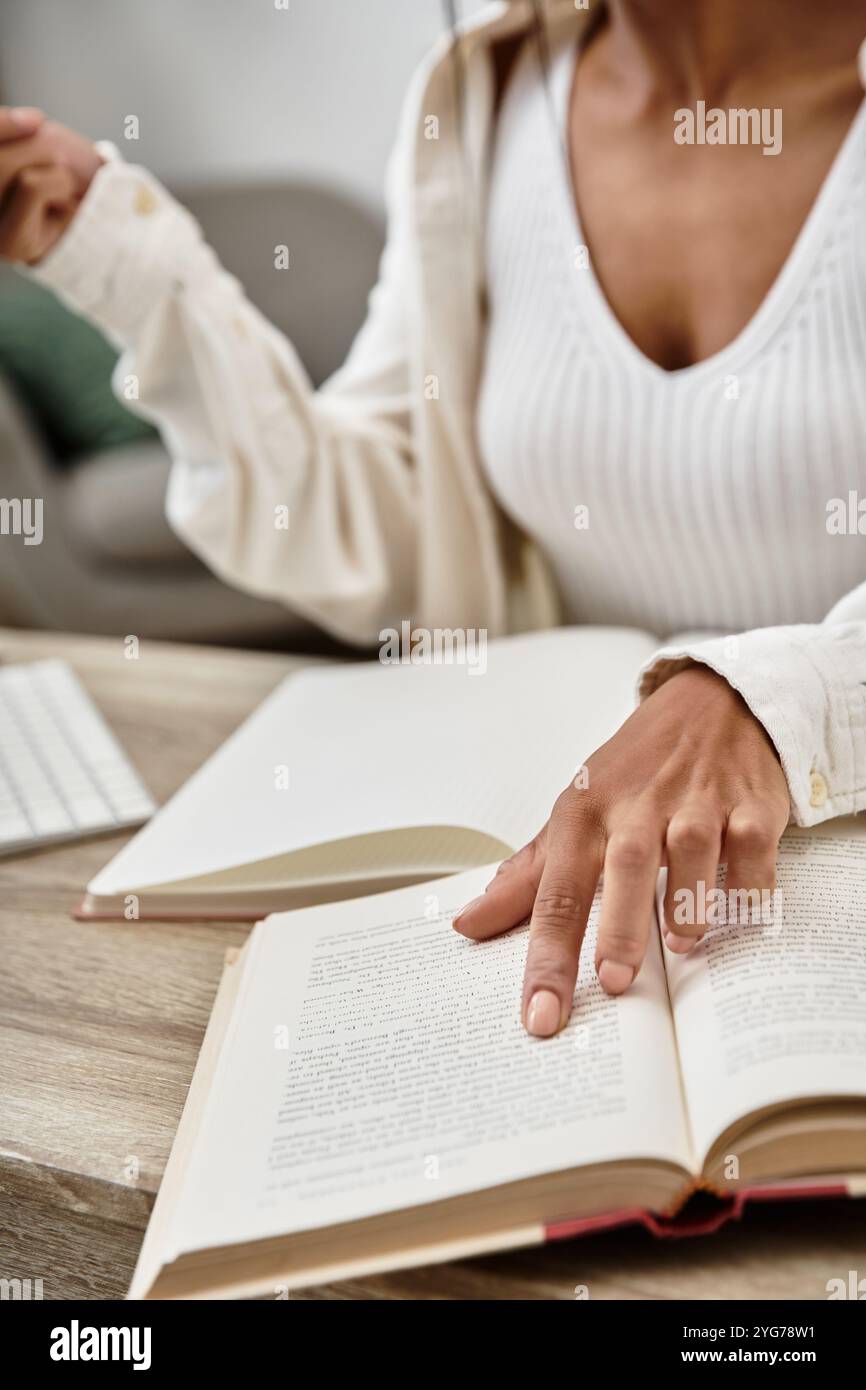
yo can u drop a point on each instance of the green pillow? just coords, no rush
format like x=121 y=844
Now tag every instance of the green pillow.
x=61 y=367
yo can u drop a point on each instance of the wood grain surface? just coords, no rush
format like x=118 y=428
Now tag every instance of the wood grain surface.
x=100 y=1025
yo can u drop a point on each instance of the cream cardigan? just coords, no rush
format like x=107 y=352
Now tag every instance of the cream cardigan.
x=378 y=473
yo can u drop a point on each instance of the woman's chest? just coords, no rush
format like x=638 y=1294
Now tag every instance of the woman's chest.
x=691 y=214
x=688 y=241
x=590 y=444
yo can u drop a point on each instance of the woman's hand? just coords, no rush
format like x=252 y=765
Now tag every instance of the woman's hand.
x=45 y=171
x=691 y=779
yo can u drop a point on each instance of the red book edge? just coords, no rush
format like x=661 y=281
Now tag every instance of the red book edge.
x=675 y=1226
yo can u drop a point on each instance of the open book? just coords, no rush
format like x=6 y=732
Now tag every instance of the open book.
x=355 y=779
x=366 y=1098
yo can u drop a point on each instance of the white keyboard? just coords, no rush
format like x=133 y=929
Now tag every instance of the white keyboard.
x=62 y=772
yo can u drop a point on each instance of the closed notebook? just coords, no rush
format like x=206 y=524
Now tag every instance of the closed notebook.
x=349 y=780
x=366 y=1098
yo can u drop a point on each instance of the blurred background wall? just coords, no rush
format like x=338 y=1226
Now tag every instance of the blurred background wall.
x=225 y=89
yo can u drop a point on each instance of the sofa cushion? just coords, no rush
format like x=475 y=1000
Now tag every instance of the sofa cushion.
x=61 y=368
x=114 y=507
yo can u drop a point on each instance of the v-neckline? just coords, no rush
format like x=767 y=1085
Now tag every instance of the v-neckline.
x=788 y=279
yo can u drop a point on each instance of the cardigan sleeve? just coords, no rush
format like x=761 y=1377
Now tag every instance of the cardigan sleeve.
x=807 y=685
x=307 y=497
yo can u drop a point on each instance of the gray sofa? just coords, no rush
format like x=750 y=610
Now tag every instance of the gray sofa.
x=109 y=562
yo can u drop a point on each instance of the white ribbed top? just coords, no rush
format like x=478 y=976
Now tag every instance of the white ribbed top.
x=705 y=511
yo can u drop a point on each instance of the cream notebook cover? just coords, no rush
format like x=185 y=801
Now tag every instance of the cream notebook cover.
x=355 y=779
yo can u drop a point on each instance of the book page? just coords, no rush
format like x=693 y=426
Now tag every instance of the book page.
x=771 y=1013
x=365 y=748
x=376 y=1061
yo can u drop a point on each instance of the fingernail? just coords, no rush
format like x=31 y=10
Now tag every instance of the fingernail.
x=680 y=945
x=542 y=1016
x=25 y=116
x=614 y=976
x=464 y=911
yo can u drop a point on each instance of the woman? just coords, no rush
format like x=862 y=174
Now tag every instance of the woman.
x=586 y=301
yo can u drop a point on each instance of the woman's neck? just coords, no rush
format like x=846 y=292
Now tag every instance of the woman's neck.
x=690 y=49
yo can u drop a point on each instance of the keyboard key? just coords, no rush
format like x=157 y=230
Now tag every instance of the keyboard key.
x=62 y=772
x=50 y=819
x=14 y=828
x=133 y=808
x=90 y=811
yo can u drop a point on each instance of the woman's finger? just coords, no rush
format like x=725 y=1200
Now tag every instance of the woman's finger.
x=693 y=844
x=631 y=869
x=507 y=900
x=572 y=866
x=28 y=152
x=16 y=121
x=40 y=204
x=752 y=837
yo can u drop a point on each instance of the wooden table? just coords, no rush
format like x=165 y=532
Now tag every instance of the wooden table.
x=100 y=1025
